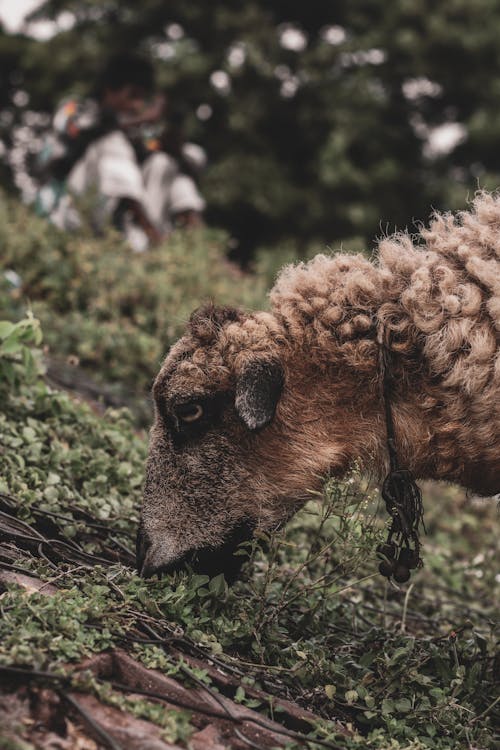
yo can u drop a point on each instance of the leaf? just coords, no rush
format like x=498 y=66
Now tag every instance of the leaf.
x=351 y=696
x=7 y=372
x=10 y=345
x=436 y=693
x=330 y=691
x=29 y=436
x=367 y=658
x=403 y=705
x=218 y=585
x=29 y=365
x=387 y=706
x=6 y=329
x=398 y=655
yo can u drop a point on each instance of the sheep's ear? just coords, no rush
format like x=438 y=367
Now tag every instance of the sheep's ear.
x=258 y=391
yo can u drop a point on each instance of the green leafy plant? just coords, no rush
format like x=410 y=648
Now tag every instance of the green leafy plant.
x=310 y=621
x=18 y=361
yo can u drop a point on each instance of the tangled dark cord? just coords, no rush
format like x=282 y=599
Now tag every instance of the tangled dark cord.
x=402 y=496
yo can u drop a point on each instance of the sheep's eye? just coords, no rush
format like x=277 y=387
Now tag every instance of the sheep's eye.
x=189 y=412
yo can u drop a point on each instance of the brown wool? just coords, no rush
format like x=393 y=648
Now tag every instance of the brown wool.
x=435 y=302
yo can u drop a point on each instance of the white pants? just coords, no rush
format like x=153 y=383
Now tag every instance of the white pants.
x=168 y=191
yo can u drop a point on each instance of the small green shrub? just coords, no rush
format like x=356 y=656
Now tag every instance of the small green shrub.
x=115 y=311
x=18 y=361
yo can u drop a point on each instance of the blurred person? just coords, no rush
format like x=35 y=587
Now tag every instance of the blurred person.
x=171 y=167
x=89 y=153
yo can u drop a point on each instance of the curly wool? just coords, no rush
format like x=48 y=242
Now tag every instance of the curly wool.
x=436 y=306
x=441 y=299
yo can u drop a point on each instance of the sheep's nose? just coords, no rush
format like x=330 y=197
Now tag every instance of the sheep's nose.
x=152 y=559
x=162 y=556
x=149 y=567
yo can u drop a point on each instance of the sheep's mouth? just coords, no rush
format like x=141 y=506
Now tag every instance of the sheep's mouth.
x=210 y=561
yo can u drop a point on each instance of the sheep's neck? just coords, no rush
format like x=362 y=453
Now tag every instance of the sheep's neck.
x=433 y=441
x=345 y=409
x=341 y=400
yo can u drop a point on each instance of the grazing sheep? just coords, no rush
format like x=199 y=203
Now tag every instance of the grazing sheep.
x=253 y=409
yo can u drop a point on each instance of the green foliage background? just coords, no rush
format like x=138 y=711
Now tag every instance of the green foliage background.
x=324 y=144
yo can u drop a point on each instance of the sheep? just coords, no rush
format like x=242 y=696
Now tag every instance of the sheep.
x=253 y=409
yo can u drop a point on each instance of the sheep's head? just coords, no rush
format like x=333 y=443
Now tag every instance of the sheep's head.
x=221 y=462
x=238 y=440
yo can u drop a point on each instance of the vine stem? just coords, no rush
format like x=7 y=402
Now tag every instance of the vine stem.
x=405 y=606
x=486 y=711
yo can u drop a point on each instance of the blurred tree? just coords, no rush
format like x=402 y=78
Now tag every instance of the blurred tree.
x=324 y=122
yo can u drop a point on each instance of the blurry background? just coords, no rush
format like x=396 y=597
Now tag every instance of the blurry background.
x=324 y=123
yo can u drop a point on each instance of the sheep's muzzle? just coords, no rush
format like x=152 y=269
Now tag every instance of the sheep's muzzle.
x=209 y=561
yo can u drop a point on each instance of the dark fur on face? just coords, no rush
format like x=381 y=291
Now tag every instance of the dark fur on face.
x=253 y=409
x=199 y=499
